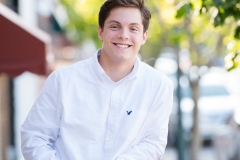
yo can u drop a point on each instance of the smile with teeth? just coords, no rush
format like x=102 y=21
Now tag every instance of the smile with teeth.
x=122 y=45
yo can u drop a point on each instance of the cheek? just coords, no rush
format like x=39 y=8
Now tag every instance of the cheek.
x=110 y=32
x=139 y=41
x=112 y=35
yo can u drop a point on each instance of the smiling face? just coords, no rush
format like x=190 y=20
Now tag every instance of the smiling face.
x=122 y=35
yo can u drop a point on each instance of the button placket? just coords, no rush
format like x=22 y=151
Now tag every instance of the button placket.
x=112 y=118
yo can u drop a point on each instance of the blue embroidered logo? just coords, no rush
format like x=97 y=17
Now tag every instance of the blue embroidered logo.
x=129 y=112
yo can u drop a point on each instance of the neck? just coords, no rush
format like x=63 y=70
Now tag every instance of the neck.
x=116 y=71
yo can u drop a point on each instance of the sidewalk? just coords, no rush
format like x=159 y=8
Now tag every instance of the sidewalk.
x=170 y=154
x=206 y=153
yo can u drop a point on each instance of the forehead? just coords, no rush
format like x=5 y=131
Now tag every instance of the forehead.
x=125 y=15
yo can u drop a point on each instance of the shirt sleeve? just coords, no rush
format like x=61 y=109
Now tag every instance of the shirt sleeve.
x=41 y=127
x=154 y=141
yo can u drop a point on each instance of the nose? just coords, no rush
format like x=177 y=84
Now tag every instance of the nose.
x=123 y=34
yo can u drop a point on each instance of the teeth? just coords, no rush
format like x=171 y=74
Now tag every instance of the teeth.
x=122 y=45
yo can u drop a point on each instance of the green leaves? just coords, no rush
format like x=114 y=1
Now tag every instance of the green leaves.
x=183 y=9
x=228 y=14
x=227 y=9
x=237 y=33
x=232 y=61
x=83 y=23
x=224 y=14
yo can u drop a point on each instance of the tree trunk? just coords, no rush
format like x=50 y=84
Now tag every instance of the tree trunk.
x=4 y=116
x=195 y=141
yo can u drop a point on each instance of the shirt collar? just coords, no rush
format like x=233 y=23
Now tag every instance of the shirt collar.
x=97 y=67
x=100 y=72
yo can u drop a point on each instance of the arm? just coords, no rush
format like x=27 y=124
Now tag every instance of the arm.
x=41 y=127
x=154 y=141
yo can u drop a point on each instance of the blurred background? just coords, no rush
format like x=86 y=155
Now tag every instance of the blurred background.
x=194 y=42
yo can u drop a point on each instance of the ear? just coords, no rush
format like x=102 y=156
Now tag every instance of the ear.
x=145 y=37
x=100 y=30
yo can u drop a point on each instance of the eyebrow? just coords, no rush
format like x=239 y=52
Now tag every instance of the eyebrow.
x=113 y=21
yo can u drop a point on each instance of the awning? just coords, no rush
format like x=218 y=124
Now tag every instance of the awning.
x=22 y=47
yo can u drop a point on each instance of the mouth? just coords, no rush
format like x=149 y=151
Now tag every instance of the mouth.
x=122 y=45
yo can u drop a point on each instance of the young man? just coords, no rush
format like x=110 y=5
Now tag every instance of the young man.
x=109 y=107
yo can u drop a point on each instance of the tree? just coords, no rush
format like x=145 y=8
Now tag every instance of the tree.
x=199 y=18
x=224 y=14
x=83 y=17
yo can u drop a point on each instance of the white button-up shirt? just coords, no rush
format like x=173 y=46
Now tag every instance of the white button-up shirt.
x=81 y=114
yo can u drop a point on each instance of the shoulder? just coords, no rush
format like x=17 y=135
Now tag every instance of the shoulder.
x=72 y=74
x=154 y=76
x=74 y=69
x=155 y=81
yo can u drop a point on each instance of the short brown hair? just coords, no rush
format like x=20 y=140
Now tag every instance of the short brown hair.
x=111 y=4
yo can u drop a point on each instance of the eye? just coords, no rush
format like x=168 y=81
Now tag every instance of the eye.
x=134 y=29
x=114 y=27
